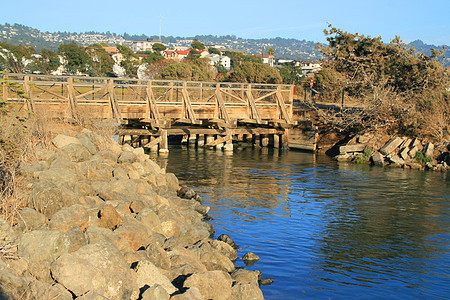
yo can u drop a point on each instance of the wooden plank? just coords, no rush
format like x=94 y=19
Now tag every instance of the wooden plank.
x=187 y=103
x=153 y=143
x=221 y=105
x=5 y=94
x=114 y=104
x=91 y=92
x=28 y=93
x=284 y=114
x=252 y=104
x=51 y=93
x=153 y=108
x=219 y=141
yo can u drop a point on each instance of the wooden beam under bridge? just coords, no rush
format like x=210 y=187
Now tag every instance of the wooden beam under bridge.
x=189 y=131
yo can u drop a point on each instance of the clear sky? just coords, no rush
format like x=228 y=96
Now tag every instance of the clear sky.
x=300 y=19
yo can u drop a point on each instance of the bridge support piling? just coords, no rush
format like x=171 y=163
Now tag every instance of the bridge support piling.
x=164 y=144
x=201 y=140
x=209 y=138
x=276 y=141
x=264 y=140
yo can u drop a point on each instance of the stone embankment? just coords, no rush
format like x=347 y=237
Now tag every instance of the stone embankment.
x=104 y=221
x=399 y=152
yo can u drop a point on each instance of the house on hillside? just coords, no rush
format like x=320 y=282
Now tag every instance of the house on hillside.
x=267 y=59
x=311 y=67
x=215 y=59
x=143 y=45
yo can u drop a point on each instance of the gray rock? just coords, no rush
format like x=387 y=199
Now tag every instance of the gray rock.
x=87 y=143
x=391 y=145
x=62 y=140
x=246 y=291
x=429 y=150
x=147 y=274
x=44 y=290
x=250 y=256
x=224 y=249
x=245 y=276
x=211 y=284
x=150 y=219
x=378 y=159
x=76 y=152
x=30 y=219
x=156 y=292
x=158 y=256
x=396 y=161
x=40 y=247
x=351 y=148
x=68 y=217
x=404 y=153
x=413 y=151
x=127 y=157
x=227 y=239
x=99 y=268
x=191 y=294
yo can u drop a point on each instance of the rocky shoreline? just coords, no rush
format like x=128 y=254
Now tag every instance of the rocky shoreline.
x=104 y=221
x=397 y=152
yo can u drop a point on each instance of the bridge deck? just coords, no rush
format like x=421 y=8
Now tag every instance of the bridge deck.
x=155 y=104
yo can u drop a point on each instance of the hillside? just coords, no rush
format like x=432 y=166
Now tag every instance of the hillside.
x=284 y=48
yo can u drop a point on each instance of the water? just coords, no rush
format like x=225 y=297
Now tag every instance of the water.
x=325 y=230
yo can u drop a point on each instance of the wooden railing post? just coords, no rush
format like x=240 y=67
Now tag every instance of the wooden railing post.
x=252 y=104
x=114 y=104
x=5 y=88
x=72 y=97
x=151 y=103
x=221 y=105
x=28 y=93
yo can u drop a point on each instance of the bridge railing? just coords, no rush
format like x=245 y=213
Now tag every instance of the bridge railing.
x=153 y=100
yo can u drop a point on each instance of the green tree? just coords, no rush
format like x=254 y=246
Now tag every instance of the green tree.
x=213 y=50
x=130 y=62
x=158 y=47
x=126 y=52
x=193 y=55
x=46 y=63
x=77 y=60
x=199 y=71
x=270 y=51
x=14 y=58
x=237 y=58
x=252 y=72
x=291 y=74
x=102 y=63
x=196 y=44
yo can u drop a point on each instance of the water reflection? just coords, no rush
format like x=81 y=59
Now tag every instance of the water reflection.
x=324 y=230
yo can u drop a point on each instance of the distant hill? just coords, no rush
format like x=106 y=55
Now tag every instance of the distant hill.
x=283 y=47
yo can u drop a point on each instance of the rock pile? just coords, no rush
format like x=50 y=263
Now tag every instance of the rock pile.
x=400 y=152
x=104 y=221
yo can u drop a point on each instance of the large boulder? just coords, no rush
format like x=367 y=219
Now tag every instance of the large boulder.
x=211 y=284
x=62 y=140
x=31 y=219
x=98 y=268
x=149 y=275
x=69 y=217
x=391 y=145
x=246 y=291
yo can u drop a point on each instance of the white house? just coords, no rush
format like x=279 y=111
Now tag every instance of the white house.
x=225 y=61
x=143 y=45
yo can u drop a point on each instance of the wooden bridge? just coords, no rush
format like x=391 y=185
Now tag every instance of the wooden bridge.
x=152 y=111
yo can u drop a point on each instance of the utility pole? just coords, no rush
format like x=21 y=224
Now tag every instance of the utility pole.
x=160 y=22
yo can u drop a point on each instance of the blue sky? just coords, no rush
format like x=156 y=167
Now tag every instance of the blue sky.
x=300 y=19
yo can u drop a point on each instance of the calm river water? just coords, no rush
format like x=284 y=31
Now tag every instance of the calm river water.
x=325 y=230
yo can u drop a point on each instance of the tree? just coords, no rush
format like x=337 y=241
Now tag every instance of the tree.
x=46 y=63
x=130 y=62
x=256 y=73
x=237 y=58
x=196 y=44
x=102 y=63
x=77 y=60
x=15 y=58
x=158 y=47
x=402 y=89
x=270 y=51
x=213 y=50
x=291 y=74
x=193 y=55
x=155 y=69
x=199 y=71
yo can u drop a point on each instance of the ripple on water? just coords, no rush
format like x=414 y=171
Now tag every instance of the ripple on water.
x=327 y=230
